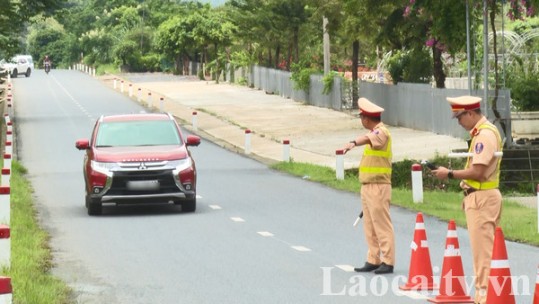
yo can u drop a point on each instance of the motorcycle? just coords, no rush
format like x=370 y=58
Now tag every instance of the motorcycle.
x=47 y=67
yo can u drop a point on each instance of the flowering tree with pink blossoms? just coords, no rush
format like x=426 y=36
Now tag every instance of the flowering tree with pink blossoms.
x=444 y=23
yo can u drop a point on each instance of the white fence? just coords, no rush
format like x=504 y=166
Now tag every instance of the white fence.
x=415 y=106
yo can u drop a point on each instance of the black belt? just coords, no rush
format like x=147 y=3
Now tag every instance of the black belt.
x=469 y=191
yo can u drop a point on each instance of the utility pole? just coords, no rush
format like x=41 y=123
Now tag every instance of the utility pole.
x=468 y=53
x=485 y=54
x=142 y=27
x=326 y=46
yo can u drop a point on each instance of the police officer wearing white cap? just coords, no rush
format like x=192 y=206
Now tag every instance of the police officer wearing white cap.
x=480 y=179
x=375 y=179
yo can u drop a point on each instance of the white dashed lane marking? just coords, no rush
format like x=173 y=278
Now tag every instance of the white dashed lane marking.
x=215 y=207
x=265 y=233
x=237 y=219
x=413 y=294
x=347 y=268
x=301 y=248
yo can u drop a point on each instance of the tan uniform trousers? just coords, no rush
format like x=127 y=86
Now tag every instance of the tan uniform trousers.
x=377 y=223
x=483 y=209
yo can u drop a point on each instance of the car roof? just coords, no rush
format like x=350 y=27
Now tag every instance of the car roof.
x=139 y=116
x=23 y=56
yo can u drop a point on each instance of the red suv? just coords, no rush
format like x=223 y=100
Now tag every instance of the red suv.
x=138 y=158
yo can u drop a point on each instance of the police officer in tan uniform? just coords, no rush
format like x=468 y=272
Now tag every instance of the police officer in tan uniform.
x=375 y=179
x=480 y=179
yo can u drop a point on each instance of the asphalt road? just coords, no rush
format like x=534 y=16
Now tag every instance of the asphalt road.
x=258 y=236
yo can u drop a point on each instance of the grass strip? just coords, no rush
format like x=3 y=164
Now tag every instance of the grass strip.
x=31 y=258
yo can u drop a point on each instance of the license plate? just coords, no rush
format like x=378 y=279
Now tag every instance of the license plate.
x=143 y=185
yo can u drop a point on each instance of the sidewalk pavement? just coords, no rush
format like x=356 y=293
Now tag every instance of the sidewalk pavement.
x=225 y=111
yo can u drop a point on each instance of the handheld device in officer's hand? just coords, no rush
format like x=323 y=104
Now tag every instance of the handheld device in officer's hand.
x=429 y=165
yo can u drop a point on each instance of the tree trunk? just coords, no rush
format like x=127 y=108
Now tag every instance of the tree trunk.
x=296 y=45
x=289 y=57
x=277 y=56
x=355 y=65
x=177 y=64
x=186 y=61
x=438 y=67
x=270 y=58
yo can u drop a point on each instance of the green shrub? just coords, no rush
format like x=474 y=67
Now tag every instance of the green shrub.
x=150 y=62
x=524 y=85
x=301 y=75
x=413 y=66
x=328 y=81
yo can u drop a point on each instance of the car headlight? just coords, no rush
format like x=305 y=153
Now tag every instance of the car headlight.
x=103 y=168
x=181 y=164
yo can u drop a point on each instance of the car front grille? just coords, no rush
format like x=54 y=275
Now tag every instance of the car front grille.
x=121 y=178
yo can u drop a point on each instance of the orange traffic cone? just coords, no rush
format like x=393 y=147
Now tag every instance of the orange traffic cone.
x=452 y=281
x=420 y=274
x=536 y=294
x=500 y=289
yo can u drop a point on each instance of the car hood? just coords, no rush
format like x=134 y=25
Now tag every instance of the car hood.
x=138 y=154
x=8 y=65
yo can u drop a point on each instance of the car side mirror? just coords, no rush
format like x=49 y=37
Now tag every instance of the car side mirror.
x=82 y=144
x=192 y=141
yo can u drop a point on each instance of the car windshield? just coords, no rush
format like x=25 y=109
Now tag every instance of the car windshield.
x=137 y=133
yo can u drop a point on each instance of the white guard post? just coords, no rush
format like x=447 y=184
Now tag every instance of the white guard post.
x=339 y=166
x=6 y=177
x=286 y=150
x=6 y=290
x=150 y=103
x=194 y=120
x=5 y=246
x=5 y=208
x=247 y=141
x=417 y=183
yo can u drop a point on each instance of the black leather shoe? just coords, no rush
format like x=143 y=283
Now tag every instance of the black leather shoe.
x=384 y=268
x=367 y=268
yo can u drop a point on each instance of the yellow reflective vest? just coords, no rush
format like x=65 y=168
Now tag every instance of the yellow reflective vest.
x=494 y=180
x=375 y=165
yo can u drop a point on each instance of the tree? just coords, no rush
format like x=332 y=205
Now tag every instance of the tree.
x=443 y=26
x=15 y=15
x=214 y=30
x=174 y=38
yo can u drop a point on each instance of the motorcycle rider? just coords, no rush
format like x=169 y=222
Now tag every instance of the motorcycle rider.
x=47 y=63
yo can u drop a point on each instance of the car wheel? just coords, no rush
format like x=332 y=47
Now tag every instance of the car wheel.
x=28 y=72
x=94 y=207
x=189 y=205
x=14 y=73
